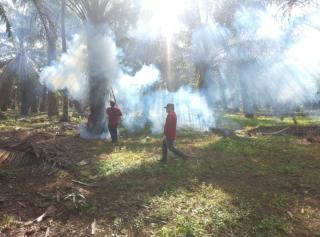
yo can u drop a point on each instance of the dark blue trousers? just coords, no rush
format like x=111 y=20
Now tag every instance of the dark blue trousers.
x=114 y=133
x=169 y=144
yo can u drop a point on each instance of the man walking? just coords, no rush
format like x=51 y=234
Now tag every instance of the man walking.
x=170 y=134
x=114 y=115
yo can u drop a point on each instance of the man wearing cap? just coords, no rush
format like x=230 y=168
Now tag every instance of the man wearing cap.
x=170 y=134
x=114 y=115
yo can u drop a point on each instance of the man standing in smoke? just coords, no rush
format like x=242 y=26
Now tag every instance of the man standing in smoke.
x=114 y=115
x=170 y=134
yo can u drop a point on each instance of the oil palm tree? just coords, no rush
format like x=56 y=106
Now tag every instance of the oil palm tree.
x=45 y=12
x=97 y=15
x=19 y=61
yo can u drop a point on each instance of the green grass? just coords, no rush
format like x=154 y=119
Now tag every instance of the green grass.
x=238 y=121
x=236 y=186
x=204 y=211
x=39 y=122
x=194 y=198
x=8 y=221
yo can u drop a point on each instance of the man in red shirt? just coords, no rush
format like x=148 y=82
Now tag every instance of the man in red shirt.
x=170 y=134
x=114 y=115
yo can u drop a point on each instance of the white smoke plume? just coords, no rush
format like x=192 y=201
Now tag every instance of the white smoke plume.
x=142 y=104
x=272 y=61
x=70 y=72
x=191 y=109
x=139 y=102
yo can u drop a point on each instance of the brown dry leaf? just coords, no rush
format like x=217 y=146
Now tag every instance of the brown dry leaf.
x=290 y=214
x=303 y=142
x=47 y=232
x=30 y=232
x=22 y=204
x=28 y=223
x=93 y=227
x=82 y=163
x=58 y=195
x=49 y=212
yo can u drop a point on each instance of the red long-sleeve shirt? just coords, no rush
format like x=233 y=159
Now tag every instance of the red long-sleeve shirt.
x=114 y=115
x=170 y=126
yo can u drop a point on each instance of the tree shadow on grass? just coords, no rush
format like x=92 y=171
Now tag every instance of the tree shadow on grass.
x=268 y=188
x=268 y=192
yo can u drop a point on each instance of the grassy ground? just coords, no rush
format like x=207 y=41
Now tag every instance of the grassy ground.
x=235 y=186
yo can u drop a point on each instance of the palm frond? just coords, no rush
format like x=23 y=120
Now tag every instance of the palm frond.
x=76 y=9
x=46 y=16
x=21 y=67
x=4 y=19
x=92 y=10
x=287 y=5
x=20 y=147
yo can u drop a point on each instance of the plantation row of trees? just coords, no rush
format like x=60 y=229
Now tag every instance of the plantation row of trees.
x=37 y=32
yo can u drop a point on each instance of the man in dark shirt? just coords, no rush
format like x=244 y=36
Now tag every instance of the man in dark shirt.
x=170 y=134
x=114 y=115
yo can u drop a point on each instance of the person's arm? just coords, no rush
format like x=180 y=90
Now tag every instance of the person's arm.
x=119 y=114
x=165 y=129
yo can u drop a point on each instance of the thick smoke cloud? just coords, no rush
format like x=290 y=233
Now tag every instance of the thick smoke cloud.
x=258 y=60
x=70 y=72
x=191 y=108
x=140 y=102
x=271 y=61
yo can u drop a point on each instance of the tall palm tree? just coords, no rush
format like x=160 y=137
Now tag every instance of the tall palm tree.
x=65 y=108
x=46 y=14
x=21 y=60
x=96 y=14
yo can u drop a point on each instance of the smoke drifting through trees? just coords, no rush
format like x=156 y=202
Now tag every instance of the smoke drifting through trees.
x=71 y=71
x=141 y=104
x=257 y=60
x=260 y=60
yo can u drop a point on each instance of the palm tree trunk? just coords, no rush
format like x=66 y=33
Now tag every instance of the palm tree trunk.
x=5 y=95
x=202 y=71
x=14 y=98
x=43 y=102
x=65 y=106
x=52 y=104
x=52 y=97
x=34 y=105
x=246 y=96
x=222 y=88
x=25 y=96
x=96 y=124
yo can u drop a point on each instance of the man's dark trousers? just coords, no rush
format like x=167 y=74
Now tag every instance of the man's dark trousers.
x=114 y=133
x=169 y=144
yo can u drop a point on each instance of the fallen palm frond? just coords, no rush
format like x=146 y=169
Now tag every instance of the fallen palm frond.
x=312 y=133
x=23 y=147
